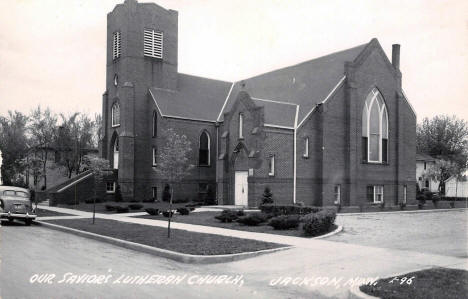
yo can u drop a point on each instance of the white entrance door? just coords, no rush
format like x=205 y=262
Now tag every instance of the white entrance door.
x=241 y=188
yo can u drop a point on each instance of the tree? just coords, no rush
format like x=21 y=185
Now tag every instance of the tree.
x=173 y=163
x=14 y=147
x=42 y=129
x=99 y=167
x=267 y=196
x=441 y=171
x=74 y=138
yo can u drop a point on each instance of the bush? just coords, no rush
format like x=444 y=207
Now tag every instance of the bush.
x=428 y=195
x=252 y=219
x=453 y=198
x=91 y=200
x=148 y=200
x=166 y=214
x=180 y=200
x=277 y=210
x=318 y=223
x=183 y=211
x=285 y=222
x=421 y=198
x=152 y=211
x=118 y=194
x=120 y=209
x=240 y=213
x=193 y=205
x=435 y=199
x=228 y=216
x=267 y=196
x=110 y=208
x=135 y=206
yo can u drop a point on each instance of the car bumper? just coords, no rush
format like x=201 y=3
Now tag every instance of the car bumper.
x=16 y=216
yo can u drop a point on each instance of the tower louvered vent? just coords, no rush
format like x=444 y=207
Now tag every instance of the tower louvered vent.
x=116 y=45
x=153 y=43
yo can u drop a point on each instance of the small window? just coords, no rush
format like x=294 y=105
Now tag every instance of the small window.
x=110 y=187
x=155 y=158
x=375 y=194
x=404 y=194
x=337 y=194
x=306 y=147
x=153 y=43
x=116 y=45
x=241 y=125
x=154 y=192
x=115 y=115
x=155 y=124
x=271 y=165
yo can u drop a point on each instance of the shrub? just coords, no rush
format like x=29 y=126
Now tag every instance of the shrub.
x=120 y=209
x=118 y=194
x=110 y=208
x=148 y=200
x=180 y=200
x=252 y=219
x=135 y=206
x=191 y=205
x=166 y=214
x=285 y=222
x=402 y=205
x=240 y=213
x=152 y=211
x=183 y=211
x=91 y=200
x=318 y=223
x=421 y=198
x=277 y=210
x=428 y=195
x=453 y=198
x=267 y=196
x=227 y=216
x=435 y=199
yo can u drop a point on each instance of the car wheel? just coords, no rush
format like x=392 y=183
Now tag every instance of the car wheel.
x=28 y=222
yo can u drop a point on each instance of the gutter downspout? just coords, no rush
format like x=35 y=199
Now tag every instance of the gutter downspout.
x=216 y=160
x=295 y=155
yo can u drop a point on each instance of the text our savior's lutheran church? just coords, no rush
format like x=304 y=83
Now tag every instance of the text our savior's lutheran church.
x=335 y=129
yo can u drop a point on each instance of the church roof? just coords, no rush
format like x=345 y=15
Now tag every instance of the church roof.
x=303 y=86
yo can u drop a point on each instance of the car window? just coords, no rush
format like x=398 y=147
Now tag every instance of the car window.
x=9 y=193
x=22 y=194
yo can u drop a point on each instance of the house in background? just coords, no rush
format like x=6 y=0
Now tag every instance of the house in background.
x=335 y=129
x=457 y=188
x=423 y=163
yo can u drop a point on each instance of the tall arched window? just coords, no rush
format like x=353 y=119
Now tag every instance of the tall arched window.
x=204 y=149
x=116 y=153
x=374 y=128
x=115 y=115
x=155 y=124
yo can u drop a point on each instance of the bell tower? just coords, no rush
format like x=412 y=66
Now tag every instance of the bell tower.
x=141 y=52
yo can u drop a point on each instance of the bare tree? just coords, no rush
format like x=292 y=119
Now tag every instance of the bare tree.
x=173 y=163
x=99 y=167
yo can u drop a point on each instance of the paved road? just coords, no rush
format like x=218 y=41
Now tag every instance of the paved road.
x=442 y=232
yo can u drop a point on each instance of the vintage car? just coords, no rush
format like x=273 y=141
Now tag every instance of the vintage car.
x=15 y=204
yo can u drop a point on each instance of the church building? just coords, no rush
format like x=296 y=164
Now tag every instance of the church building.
x=337 y=129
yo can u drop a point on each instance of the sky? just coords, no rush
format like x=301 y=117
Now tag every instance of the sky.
x=52 y=52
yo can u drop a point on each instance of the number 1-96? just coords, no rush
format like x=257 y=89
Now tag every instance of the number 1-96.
x=402 y=280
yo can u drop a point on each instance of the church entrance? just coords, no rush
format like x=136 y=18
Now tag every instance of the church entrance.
x=241 y=188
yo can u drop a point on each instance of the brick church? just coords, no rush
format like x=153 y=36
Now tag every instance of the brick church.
x=335 y=129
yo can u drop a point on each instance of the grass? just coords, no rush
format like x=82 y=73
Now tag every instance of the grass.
x=207 y=218
x=431 y=283
x=181 y=241
x=101 y=207
x=47 y=213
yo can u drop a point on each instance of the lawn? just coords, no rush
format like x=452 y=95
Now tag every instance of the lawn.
x=431 y=283
x=101 y=207
x=47 y=213
x=180 y=241
x=207 y=218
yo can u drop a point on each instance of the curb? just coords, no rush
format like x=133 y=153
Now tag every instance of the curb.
x=356 y=293
x=336 y=231
x=396 y=212
x=180 y=257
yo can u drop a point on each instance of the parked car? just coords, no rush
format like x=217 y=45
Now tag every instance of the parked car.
x=15 y=203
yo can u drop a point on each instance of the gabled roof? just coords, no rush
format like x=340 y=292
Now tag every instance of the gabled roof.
x=305 y=84
x=280 y=92
x=424 y=157
x=195 y=98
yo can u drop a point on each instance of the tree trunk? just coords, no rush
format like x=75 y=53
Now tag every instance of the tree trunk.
x=170 y=213
x=94 y=199
x=44 y=170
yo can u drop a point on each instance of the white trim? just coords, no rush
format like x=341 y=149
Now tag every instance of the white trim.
x=411 y=106
x=241 y=126
x=273 y=101
x=279 y=127
x=225 y=102
x=271 y=168
x=324 y=101
x=306 y=147
x=189 y=118
x=75 y=182
x=154 y=160
x=295 y=156
x=113 y=188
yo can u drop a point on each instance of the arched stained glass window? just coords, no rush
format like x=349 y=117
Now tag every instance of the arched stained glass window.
x=204 y=149
x=374 y=128
x=155 y=124
x=115 y=115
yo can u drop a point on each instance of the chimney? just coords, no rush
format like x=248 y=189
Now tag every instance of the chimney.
x=396 y=56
